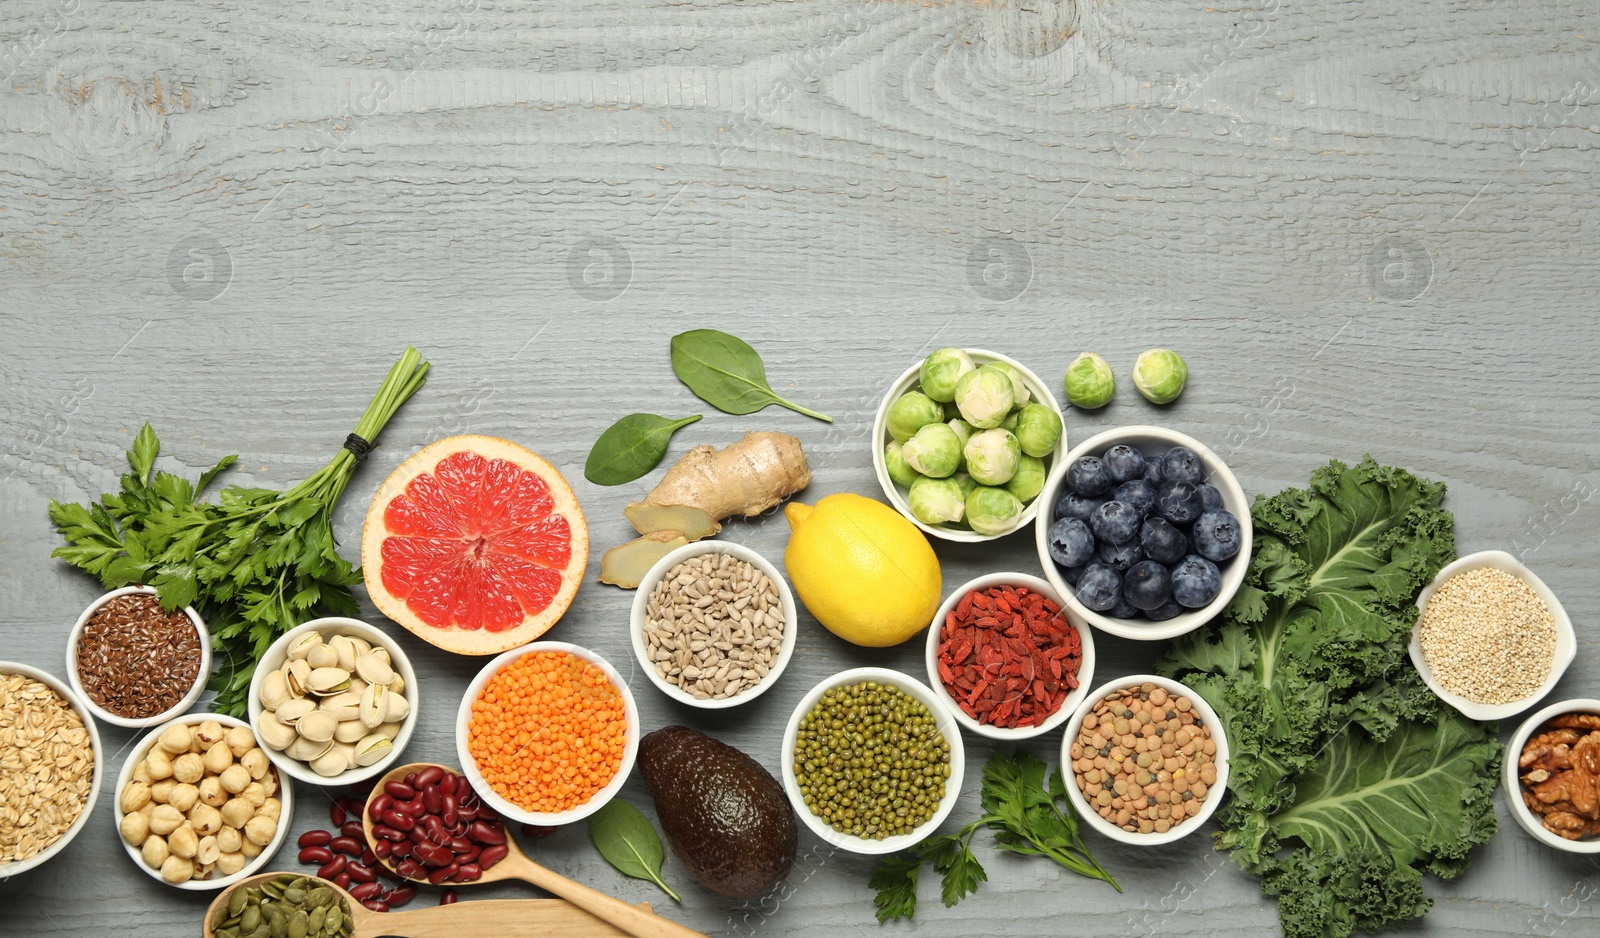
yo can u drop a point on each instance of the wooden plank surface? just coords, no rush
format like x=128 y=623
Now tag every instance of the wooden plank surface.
x=1369 y=226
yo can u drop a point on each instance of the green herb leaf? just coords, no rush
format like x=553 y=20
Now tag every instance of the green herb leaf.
x=142 y=456
x=630 y=448
x=725 y=372
x=625 y=837
x=895 y=880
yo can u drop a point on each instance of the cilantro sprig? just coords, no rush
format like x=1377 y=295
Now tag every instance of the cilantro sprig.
x=254 y=564
x=1027 y=816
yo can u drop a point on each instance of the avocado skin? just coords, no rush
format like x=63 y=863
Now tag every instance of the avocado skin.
x=725 y=816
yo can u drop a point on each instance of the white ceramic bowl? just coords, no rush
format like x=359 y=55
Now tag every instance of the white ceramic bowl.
x=140 y=749
x=1566 y=639
x=9 y=870
x=1512 y=785
x=142 y=722
x=469 y=766
x=329 y=627
x=1214 y=795
x=909 y=379
x=947 y=726
x=1150 y=441
x=641 y=600
x=1068 y=705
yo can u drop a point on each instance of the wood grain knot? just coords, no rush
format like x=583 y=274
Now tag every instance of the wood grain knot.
x=1033 y=28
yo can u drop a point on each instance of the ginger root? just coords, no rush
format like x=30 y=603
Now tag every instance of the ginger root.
x=745 y=478
x=626 y=565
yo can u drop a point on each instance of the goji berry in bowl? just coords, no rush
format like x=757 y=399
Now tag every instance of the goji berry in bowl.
x=536 y=711
x=1008 y=658
x=1127 y=778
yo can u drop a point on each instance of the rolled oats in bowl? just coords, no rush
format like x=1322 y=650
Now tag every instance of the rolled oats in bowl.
x=46 y=767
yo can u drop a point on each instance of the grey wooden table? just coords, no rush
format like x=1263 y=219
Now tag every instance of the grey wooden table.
x=1369 y=226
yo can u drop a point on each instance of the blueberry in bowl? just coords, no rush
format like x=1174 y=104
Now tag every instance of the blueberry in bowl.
x=1148 y=534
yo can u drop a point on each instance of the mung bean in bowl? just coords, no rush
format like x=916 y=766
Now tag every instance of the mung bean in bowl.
x=1146 y=760
x=135 y=664
x=214 y=808
x=1491 y=639
x=61 y=806
x=1019 y=671
x=832 y=723
x=713 y=624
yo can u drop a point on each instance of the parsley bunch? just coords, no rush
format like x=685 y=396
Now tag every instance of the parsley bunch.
x=254 y=564
x=1026 y=815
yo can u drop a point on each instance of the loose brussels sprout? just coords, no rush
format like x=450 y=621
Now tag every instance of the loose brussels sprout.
x=941 y=371
x=964 y=430
x=1038 y=429
x=992 y=456
x=934 y=451
x=910 y=413
x=1090 y=382
x=984 y=396
x=1028 y=481
x=1159 y=375
x=992 y=510
x=895 y=460
x=936 y=501
x=1019 y=388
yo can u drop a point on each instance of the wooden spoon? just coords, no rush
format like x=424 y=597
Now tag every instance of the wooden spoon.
x=552 y=918
x=517 y=865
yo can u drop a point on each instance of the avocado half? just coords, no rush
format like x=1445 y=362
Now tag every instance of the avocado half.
x=725 y=816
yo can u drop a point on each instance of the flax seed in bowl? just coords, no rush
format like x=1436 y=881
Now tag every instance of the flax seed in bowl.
x=134 y=663
x=43 y=721
x=713 y=624
x=1490 y=639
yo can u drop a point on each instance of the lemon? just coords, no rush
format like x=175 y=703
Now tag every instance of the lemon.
x=867 y=574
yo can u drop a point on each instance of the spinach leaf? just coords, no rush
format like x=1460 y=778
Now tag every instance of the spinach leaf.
x=725 y=372
x=626 y=839
x=630 y=448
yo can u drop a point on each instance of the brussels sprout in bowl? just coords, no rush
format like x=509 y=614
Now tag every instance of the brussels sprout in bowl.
x=963 y=443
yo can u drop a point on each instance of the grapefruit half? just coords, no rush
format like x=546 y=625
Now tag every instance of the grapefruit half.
x=474 y=544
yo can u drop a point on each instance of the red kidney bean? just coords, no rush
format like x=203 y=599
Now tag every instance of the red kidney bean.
x=537 y=830
x=400 y=895
x=432 y=824
x=338 y=814
x=378 y=805
x=375 y=905
x=448 y=897
x=368 y=856
x=318 y=855
x=433 y=800
x=429 y=776
x=333 y=867
x=362 y=891
x=492 y=855
x=485 y=833
x=469 y=856
x=443 y=874
x=353 y=829
x=410 y=779
x=398 y=821
x=400 y=791
x=433 y=855
x=314 y=839
x=412 y=809
x=458 y=845
x=381 y=849
x=347 y=845
x=469 y=872
x=447 y=783
x=387 y=833
x=360 y=873
x=417 y=835
x=342 y=880
x=411 y=869
x=447 y=810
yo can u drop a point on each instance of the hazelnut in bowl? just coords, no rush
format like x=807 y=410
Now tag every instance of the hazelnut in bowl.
x=1004 y=678
x=1551 y=775
x=1144 y=531
x=334 y=701
x=134 y=664
x=199 y=805
x=1145 y=760
x=963 y=442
